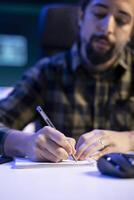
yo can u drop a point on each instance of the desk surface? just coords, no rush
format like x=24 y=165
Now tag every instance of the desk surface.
x=62 y=183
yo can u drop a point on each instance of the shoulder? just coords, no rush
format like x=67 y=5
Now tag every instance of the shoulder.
x=129 y=52
x=55 y=61
x=128 y=58
x=47 y=67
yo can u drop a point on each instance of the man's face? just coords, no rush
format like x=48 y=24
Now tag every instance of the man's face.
x=105 y=28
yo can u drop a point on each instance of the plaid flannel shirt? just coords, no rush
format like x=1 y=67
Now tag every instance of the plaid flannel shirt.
x=75 y=100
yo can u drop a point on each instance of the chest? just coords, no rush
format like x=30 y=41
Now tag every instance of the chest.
x=86 y=103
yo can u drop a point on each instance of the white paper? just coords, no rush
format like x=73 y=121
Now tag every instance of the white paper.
x=21 y=163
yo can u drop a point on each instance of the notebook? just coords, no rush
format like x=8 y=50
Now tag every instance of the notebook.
x=21 y=163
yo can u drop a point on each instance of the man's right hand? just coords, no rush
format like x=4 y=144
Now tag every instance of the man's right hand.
x=48 y=144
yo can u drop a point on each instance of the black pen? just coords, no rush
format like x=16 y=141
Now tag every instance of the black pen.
x=48 y=121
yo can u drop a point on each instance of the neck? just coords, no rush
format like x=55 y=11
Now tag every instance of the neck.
x=100 y=68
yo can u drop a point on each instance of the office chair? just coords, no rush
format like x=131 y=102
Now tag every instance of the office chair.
x=57 y=27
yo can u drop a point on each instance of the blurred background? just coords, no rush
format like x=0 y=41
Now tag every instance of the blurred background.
x=19 y=45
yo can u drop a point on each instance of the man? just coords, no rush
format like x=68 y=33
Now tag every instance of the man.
x=88 y=92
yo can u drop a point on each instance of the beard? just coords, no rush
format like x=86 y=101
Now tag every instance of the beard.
x=99 y=57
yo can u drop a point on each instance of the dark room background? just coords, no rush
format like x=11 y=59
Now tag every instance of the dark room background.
x=19 y=36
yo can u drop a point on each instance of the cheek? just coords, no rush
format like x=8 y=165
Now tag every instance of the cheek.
x=87 y=29
x=123 y=37
x=125 y=33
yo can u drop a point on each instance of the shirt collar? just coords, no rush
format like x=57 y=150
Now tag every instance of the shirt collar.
x=124 y=60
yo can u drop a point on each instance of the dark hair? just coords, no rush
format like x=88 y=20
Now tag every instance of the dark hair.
x=84 y=3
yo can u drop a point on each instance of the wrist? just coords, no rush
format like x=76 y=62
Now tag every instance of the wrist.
x=16 y=143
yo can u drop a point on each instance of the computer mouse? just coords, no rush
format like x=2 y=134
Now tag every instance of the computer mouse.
x=117 y=165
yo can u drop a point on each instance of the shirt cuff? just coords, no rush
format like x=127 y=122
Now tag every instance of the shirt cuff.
x=3 y=136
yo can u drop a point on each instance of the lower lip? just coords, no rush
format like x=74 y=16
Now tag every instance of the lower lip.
x=101 y=45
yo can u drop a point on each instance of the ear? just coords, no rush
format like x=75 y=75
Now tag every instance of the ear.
x=80 y=18
x=80 y=23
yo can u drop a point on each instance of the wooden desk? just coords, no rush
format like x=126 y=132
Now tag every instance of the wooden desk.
x=62 y=183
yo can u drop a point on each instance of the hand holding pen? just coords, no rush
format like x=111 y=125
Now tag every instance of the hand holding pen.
x=49 y=123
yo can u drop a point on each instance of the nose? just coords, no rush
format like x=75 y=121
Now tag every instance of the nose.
x=108 y=25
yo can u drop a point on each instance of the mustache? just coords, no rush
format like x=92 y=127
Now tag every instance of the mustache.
x=101 y=37
x=96 y=57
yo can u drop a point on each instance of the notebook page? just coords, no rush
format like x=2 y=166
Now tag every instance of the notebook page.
x=21 y=163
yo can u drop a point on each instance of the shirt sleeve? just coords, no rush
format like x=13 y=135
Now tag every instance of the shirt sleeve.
x=2 y=139
x=19 y=108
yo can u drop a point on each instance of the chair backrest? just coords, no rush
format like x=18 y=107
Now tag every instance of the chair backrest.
x=58 y=27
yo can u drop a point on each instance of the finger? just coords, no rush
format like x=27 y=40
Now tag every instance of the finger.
x=92 y=149
x=89 y=151
x=109 y=149
x=44 y=155
x=72 y=142
x=85 y=137
x=90 y=143
x=88 y=136
x=55 y=149
x=58 y=137
x=98 y=145
x=44 y=142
